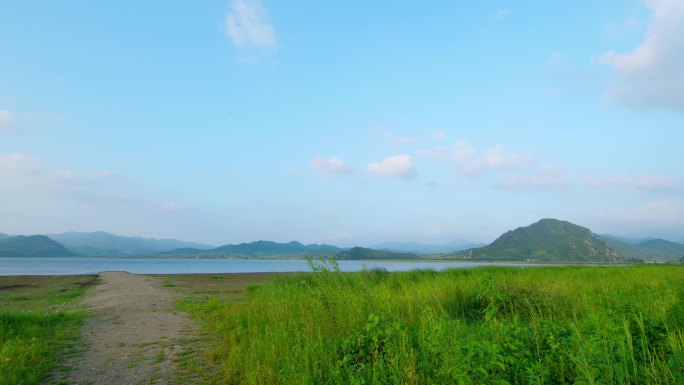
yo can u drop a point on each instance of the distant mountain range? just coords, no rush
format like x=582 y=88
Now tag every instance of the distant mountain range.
x=100 y=243
x=261 y=249
x=359 y=253
x=545 y=240
x=424 y=248
x=32 y=246
x=647 y=250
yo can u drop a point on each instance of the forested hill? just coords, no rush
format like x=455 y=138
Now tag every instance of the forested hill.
x=546 y=240
x=32 y=246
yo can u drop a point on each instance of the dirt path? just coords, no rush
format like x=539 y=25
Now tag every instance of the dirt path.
x=135 y=334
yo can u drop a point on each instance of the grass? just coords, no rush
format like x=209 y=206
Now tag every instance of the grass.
x=38 y=318
x=550 y=325
x=194 y=363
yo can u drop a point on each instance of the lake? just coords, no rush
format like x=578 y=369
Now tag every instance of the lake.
x=68 y=266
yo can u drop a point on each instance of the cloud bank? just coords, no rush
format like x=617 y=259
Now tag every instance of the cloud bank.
x=248 y=25
x=330 y=166
x=652 y=76
x=643 y=183
x=400 y=166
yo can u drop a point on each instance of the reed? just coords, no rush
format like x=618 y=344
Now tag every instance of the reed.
x=550 y=325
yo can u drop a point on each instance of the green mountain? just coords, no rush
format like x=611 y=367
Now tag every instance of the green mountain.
x=424 y=248
x=261 y=249
x=366 y=253
x=665 y=249
x=32 y=246
x=630 y=241
x=627 y=250
x=546 y=240
x=650 y=250
x=100 y=243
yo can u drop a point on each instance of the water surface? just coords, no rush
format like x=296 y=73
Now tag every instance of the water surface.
x=66 y=266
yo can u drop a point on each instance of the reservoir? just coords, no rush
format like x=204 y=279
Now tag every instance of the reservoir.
x=69 y=266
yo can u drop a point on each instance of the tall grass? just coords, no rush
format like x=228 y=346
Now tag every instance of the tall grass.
x=35 y=324
x=556 y=325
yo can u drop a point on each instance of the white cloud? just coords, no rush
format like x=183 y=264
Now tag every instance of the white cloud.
x=662 y=212
x=496 y=158
x=28 y=176
x=7 y=119
x=439 y=135
x=459 y=151
x=396 y=139
x=643 y=183
x=28 y=173
x=628 y=26
x=13 y=123
x=652 y=76
x=330 y=166
x=396 y=166
x=248 y=25
x=546 y=178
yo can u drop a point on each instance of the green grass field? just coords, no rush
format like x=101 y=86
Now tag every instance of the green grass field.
x=38 y=318
x=538 y=325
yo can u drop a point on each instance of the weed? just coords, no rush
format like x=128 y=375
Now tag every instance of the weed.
x=37 y=323
x=555 y=325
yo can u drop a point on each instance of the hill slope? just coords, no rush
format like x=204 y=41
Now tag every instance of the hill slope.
x=32 y=246
x=100 y=243
x=658 y=250
x=358 y=253
x=261 y=249
x=665 y=249
x=424 y=248
x=547 y=240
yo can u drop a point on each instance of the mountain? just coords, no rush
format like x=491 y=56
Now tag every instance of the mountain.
x=366 y=253
x=650 y=250
x=260 y=249
x=424 y=248
x=629 y=241
x=627 y=250
x=4 y=236
x=665 y=249
x=100 y=243
x=32 y=246
x=546 y=240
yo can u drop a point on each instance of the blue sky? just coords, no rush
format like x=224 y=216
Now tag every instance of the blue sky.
x=347 y=123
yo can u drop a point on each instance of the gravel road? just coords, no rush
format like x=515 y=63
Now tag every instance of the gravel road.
x=133 y=338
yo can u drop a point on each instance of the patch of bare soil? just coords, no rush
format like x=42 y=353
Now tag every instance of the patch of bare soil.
x=134 y=337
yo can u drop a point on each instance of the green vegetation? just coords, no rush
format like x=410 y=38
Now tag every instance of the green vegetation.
x=546 y=240
x=261 y=249
x=194 y=363
x=541 y=325
x=648 y=250
x=38 y=318
x=365 y=253
x=32 y=246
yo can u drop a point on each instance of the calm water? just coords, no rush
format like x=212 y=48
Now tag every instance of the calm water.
x=65 y=266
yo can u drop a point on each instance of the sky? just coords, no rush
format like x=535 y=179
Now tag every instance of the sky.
x=348 y=123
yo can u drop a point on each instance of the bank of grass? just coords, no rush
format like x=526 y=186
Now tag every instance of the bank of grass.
x=195 y=363
x=537 y=325
x=38 y=317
